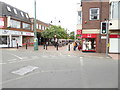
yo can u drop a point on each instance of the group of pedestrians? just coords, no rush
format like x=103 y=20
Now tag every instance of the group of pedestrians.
x=77 y=45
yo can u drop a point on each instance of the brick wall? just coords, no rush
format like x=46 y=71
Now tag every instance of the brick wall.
x=94 y=24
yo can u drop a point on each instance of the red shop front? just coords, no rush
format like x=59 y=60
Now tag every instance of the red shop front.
x=89 y=42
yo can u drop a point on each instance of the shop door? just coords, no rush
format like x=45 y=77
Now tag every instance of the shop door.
x=14 y=42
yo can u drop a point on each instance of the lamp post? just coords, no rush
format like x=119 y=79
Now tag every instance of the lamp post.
x=35 y=33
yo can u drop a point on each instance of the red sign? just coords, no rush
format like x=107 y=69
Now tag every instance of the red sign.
x=79 y=32
x=89 y=35
x=114 y=36
x=1 y=22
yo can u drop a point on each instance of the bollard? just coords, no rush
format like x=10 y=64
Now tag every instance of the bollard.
x=69 y=47
x=57 y=47
x=46 y=46
x=17 y=45
x=26 y=45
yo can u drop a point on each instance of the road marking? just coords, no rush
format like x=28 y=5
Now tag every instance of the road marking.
x=24 y=70
x=81 y=61
x=2 y=63
x=16 y=56
x=12 y=60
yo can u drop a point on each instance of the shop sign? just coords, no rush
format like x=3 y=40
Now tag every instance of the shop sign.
x=103 y=37
x=89 y=35
x=79 y=32
x=28 y=34
x=114 y=36
x=1 y=22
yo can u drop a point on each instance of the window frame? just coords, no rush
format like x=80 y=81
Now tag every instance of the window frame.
x=98 y=14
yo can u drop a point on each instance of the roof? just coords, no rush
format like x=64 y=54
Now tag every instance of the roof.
x=8 y=10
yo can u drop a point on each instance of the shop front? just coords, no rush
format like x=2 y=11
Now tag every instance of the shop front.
x=114 y=43
x=28 y=38
x=10 y=38
x=89 y=42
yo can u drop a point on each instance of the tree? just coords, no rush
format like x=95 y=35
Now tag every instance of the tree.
x=54 y=30
x=72 y=35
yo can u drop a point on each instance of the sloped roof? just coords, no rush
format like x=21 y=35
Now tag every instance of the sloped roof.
x=8 y=10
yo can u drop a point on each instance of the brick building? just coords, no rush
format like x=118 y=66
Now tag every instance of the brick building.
x=15 y=26
x=40 y=26
x=93 y=12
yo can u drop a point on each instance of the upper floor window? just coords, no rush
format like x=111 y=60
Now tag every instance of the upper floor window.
x=14 y=24
x=26 y=26
x=94 y=13
x=15 y=11
x=27 y=16
x=22 y=14
x=79 y=17
x=8 y=8
x=115 y=13
x=37 y=26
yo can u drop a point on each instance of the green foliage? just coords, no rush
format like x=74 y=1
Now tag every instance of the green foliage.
x=72 y=35
x=54 y=30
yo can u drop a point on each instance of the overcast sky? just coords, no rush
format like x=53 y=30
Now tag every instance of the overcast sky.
x=47 y=10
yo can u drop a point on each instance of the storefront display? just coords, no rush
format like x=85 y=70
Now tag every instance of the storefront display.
x=89 y=42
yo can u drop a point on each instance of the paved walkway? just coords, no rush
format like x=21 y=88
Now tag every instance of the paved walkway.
x=65 y=49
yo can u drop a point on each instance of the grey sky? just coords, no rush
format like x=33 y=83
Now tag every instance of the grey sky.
x=47 y=10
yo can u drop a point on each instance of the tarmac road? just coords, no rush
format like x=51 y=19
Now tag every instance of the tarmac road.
x=56 y=69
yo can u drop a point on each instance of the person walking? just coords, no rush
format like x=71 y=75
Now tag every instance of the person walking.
x=79 y=47
x=75 y=45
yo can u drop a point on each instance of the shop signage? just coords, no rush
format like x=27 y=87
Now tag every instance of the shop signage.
x=89 y=35
x=1 y=22
x=103 y=37
x=79 y=32
x=114 y=36
x=28 y=34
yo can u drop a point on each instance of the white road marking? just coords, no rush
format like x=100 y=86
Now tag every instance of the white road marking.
x=24 y=70
x=81 y=61
x=12 y=60
x=2 y=63
x=16 y=56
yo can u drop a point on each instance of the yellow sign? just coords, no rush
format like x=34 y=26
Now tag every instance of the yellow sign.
x=108 y=45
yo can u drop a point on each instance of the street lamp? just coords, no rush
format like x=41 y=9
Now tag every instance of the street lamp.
x=35 y=33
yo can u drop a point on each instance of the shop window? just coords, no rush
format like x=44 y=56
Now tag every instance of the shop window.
x=94 y=13
x=3 y=40
x=26 y=26
x=89 y=44
x=14 y=24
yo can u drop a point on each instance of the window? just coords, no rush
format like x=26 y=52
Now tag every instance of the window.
x=26 y=26
x=115 y=12
x=3 y=40
x=8 y=8
x=94 y=13
x=27 y=16
x=14 y=24
x=15 y=11
x=22 y=14
x=37 y=26
x=79 y=17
